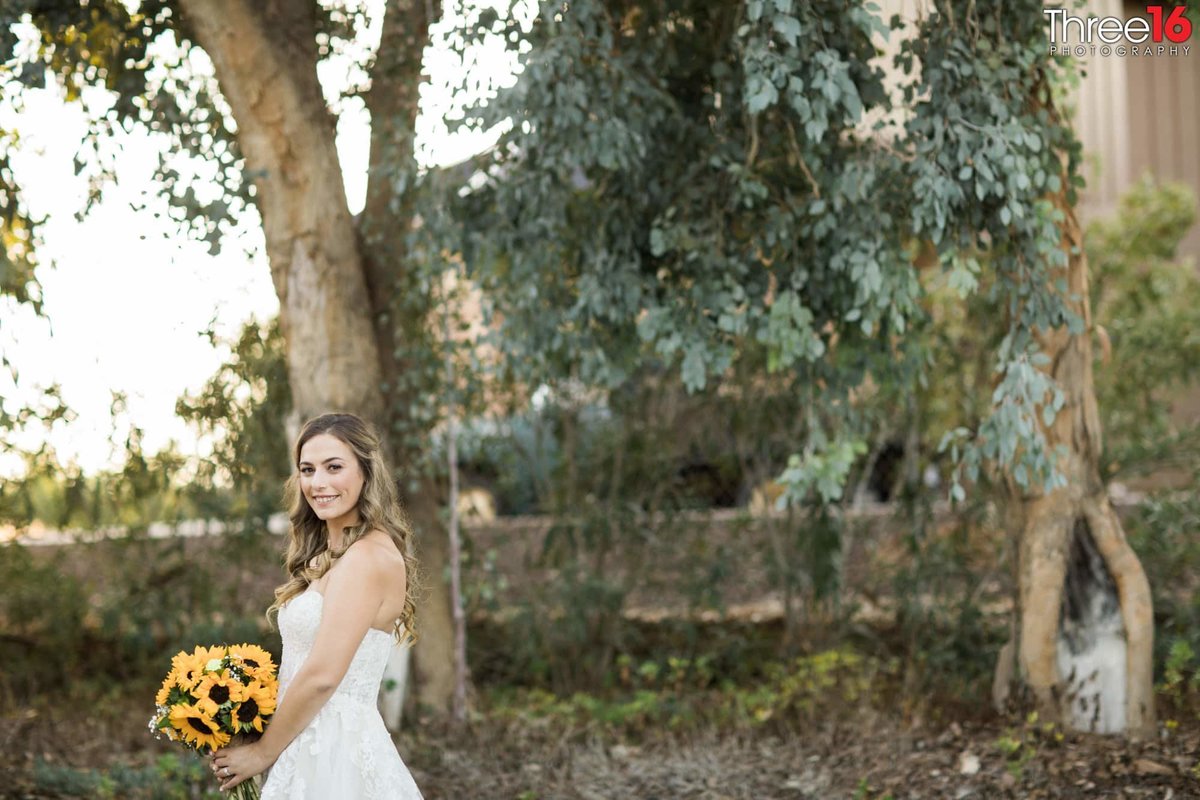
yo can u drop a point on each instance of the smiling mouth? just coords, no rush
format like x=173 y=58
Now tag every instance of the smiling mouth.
x=325 y=500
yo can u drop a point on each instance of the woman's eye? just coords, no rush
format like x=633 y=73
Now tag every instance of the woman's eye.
x=305 y=470
x=334 y=467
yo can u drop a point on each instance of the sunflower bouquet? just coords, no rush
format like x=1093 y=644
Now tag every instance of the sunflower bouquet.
x=215 y=694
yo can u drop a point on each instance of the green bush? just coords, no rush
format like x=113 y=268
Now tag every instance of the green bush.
x=682 y=695
x=43 y=615
x=172 y=777
x=121 y=608
x=1146 y=300
x=1163 y=533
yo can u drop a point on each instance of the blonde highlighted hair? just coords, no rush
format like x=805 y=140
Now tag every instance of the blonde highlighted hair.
x=308 y=553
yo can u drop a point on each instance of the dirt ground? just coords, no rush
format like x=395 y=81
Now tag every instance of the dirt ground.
x=862 y=754
x=869 y=758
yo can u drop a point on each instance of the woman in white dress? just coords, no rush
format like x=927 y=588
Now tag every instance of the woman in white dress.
x=347 y=599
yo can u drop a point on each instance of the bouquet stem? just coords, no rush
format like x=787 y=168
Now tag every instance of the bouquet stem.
x=246 y=790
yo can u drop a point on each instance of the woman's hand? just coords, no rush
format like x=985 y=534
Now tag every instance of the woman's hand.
x=233 y=765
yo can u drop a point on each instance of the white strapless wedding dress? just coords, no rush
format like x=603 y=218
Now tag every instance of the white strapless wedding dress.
x=346 y=752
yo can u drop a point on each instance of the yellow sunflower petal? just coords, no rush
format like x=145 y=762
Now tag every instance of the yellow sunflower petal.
x=207 y=655
x=197 y=728
x=257 y=661
x=190 y=666
x=216 y=689
x=256 y=707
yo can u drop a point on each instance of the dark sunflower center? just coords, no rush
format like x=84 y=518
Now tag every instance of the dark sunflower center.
x=200 y=725
x=250 y=662
x=219 y=694
x=247 y=711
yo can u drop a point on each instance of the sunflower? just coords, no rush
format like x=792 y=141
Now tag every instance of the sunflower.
x=191 y=666
x=256 y=661
x=256 y=706
x=197 y=728
x=175 y=679
x=210 y=657
x=186 y=668
x=215 y=689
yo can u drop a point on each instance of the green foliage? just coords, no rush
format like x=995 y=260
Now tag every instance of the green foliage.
x=242 y=408
x=655 y=130
x=1147 y=299
x=571 y=630
x=1021 y=745
x=685 y=181
x=144 y=58
x=1144 y=299
x=646 y=444
x=119 y=609
x=514 y=456
x=171 y=777
x=18 y=237
x=865 y=791
x=944 y=637
x=990 y=127
x=158 y=81
x=682 y=695
x=1162 y=532
x=1181 y=673
x=47 y=412
x=43 y=615
x=143 y=490
x=825 y=472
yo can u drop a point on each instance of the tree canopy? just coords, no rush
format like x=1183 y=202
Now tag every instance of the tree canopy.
x=694 y=182
x=681 y=182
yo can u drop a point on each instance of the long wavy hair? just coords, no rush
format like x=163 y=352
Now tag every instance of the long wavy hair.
x=309 y=555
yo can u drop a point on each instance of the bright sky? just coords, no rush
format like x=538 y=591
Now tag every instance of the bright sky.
x=127 y=296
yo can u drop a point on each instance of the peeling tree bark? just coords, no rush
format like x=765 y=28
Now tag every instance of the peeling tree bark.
x=265 y=58
x=332 y=284
x=1085 y=623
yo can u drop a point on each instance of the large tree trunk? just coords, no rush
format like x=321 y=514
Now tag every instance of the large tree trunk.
x=403 y=323
x=331 y=286
x=1085 y=625
x=265 y=56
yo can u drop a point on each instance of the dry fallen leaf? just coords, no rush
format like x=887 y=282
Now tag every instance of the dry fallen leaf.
x=1144 y=766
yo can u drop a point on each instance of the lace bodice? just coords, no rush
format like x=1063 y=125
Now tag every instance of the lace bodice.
x=345 y=752
x=298 y=621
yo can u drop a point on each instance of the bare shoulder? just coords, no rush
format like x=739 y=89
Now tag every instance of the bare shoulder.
x=378 y=549
x=380 y=564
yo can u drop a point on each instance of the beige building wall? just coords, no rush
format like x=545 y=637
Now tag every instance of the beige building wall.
x=1100 y=111
x=1135 y=116
x=1140 y=116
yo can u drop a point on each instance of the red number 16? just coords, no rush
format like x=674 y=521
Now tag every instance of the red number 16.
x=1177 y=27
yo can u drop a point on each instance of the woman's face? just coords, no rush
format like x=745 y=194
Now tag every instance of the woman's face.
x=331 y=479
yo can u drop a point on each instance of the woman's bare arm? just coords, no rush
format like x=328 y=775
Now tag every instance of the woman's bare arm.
x=353 y=595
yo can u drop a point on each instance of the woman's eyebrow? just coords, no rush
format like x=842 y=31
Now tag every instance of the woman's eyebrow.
x=326 y=461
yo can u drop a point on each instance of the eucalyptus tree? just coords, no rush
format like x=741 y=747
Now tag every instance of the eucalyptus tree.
x=681 y=179
x=353 y=297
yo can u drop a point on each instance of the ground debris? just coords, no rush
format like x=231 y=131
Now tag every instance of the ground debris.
x=875 y=760
x=860 y=755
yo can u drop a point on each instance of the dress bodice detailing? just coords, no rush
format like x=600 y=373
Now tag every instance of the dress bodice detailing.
x=298 y=623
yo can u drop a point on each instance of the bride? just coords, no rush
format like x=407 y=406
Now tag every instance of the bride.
x=347 y=599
